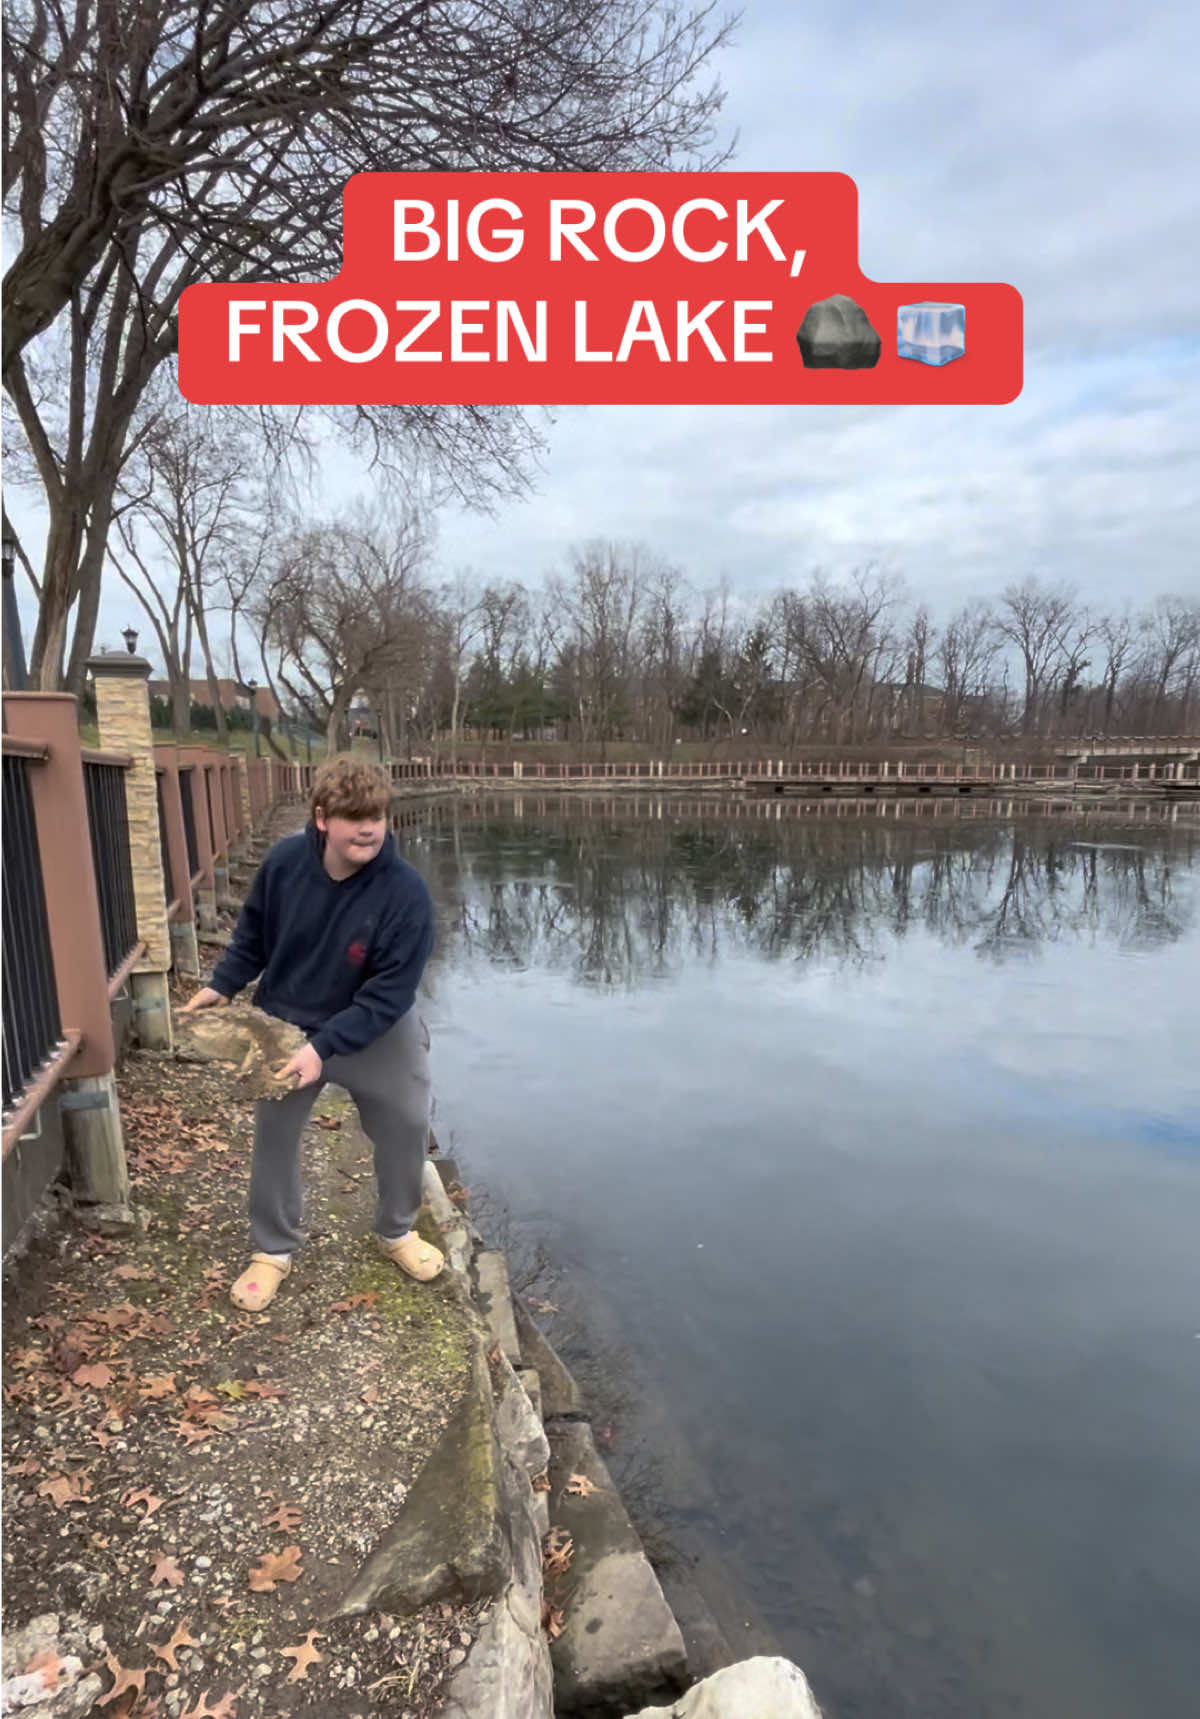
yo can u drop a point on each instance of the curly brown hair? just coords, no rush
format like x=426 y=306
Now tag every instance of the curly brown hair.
x=350 y=788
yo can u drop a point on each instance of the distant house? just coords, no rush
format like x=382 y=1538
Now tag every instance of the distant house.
x=230 y=692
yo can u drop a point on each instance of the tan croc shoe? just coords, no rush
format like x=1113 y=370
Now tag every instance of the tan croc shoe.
x=255 y=1288
x=418 y=1258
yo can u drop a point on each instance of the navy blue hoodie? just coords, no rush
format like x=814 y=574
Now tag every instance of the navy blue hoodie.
x=342 y=959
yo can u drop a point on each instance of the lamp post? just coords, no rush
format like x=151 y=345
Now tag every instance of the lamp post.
x=252 y=686
x=129 y=634
x=14 y=650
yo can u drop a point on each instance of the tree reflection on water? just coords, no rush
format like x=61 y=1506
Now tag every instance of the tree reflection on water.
x=620 y=891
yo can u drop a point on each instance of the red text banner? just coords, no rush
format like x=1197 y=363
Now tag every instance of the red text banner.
x=642 y=288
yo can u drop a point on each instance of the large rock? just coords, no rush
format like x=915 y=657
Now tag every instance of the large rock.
x=620 y=1643
x=517 y=1424
x=836 y=335
x=507 y=1672
x=451 y=1539
x=755 y=1689
x=253 y=1045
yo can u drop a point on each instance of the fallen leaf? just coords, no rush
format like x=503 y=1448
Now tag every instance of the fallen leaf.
x=370 y=1396
x=553 y=1619
x=166 y=1571
x=64 y=1489
x=132 y=1273
x=368 y=1298
x=579 y=1486
x=234 y=1388
x=304 y=1655
x=31 y=1465
x=223 y=1709
x=191 y=1432
x=276 y=1567
x=157 y=1385
x=116 y=1318
x=540 y=1482
x=146 y=1497
x=540 y=1306
x=124 y=1680
x=98 y=1376
x=181 y=1638
x=259 y=1388
x=286 y=1518
x=558 y=1549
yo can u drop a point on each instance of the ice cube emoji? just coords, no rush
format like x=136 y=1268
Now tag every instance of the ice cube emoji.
x=931 y=333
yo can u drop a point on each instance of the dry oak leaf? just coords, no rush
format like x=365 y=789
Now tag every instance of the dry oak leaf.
x=132 y=1273
x=579 y=1486
x=97 y=1375
x=146 y=1497
x=166 y=1570
x=552 y=1619
x=262 y=1388
x=558 y=1549
x=223 y=1710
x=64 y=1489
x=286 y=1518
x=181 y=1638
x=305 y=1654
x=135 y=1680
x=276 y=1567
x=157 y=1385
x=192 y=1433
x=540 y=1482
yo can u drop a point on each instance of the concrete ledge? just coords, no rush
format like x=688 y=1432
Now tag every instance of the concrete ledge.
x=620 y=1643
x=451 y=1539
x=495 y=1298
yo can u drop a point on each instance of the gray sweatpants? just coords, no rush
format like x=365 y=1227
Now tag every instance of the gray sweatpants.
x=389 y=1083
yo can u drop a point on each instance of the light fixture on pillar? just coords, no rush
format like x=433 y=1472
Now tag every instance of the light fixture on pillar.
x=252 y=689
x=129 y=634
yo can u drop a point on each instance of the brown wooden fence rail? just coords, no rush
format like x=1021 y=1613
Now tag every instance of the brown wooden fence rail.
x=891 y=773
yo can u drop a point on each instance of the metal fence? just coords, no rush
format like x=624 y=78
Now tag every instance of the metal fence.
x=187 y=780
x=108 y=824
x=164 y=846
x=32 y=1028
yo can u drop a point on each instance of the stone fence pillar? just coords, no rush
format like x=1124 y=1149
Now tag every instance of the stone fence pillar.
x=123 y=713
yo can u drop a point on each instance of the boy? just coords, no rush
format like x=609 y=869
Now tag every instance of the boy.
x=339 y=929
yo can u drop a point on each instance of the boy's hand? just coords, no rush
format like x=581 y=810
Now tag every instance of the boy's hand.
x=204 y=999
x=302 y=1069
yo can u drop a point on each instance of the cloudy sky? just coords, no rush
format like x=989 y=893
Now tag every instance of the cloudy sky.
x=1050 y=146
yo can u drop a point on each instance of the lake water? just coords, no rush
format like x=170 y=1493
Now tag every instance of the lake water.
x=867 y=1139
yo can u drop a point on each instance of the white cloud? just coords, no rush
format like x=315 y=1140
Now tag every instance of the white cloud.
x=1054 y=148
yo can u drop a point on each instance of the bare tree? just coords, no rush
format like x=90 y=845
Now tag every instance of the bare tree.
x=966 y=655
x=1035 y=618
x=344 y=607
x=146 y=149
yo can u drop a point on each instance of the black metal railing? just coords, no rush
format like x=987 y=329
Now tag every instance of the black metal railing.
x=164 y=846
x=32 y=1029
x=108 y=822
x=186 y=791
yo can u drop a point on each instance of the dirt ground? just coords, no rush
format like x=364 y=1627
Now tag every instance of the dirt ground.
x=191 y=1487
